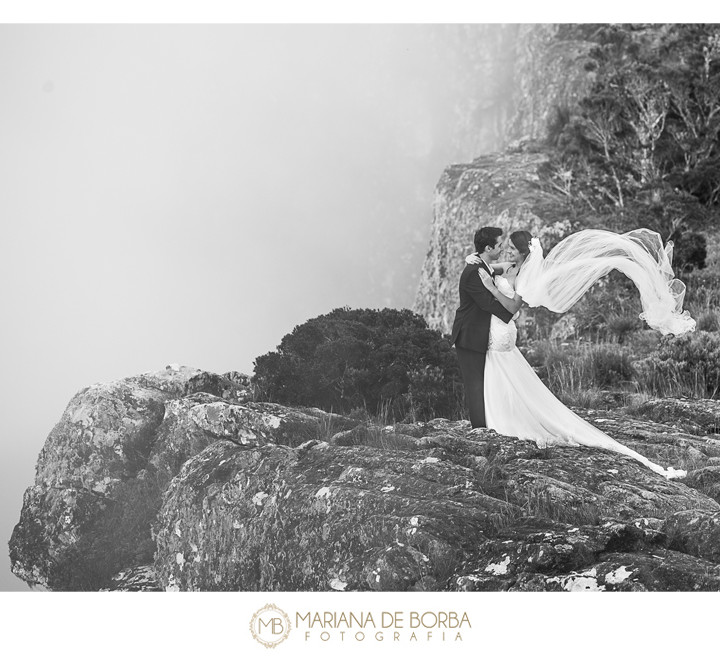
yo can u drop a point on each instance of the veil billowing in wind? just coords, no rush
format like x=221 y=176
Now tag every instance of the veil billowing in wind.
x=581 y=259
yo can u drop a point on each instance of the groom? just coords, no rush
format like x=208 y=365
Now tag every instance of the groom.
x=471 y=328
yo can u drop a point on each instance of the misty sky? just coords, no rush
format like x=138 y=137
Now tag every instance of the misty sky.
x=189 y=194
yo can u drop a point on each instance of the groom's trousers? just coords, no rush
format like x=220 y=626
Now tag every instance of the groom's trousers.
x=472 y=369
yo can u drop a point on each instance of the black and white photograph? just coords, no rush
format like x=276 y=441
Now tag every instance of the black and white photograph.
x=408 y=308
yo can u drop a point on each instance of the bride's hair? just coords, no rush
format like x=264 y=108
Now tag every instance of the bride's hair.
x=521 y=240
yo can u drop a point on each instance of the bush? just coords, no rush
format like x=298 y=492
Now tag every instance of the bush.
x=387 y=362
x=688 y=365
x=690 y=251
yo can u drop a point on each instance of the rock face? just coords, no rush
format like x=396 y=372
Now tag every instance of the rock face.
x=153 y=483
x=503 y=189
x=511 y=80
x=89 y=511
x=551 y=74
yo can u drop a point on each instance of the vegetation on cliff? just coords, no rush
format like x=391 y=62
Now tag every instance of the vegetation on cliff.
x=642 y=147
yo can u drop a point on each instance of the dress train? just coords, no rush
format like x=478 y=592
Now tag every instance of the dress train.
x=517 y=403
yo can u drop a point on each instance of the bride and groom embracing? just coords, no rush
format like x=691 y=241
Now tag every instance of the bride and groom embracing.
x=502 y=391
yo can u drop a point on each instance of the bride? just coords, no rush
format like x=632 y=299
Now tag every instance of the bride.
x=517 y=403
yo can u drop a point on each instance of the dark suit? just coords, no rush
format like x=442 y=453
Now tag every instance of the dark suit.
x=470 y=335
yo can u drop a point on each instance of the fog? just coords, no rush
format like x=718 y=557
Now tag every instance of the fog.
x=189 y=194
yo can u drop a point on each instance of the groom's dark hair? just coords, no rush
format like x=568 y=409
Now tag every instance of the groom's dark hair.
x=486 y=237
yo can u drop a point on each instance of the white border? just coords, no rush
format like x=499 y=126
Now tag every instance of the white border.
x=368 y=11
x=504 y=624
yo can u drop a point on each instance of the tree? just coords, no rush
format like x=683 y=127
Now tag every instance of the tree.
x=383 y=361
x=648 y=134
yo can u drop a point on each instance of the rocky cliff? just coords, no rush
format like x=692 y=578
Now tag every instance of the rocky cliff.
x=178 y=480
x=501 y=190
x=547 y=73
x=510 y=79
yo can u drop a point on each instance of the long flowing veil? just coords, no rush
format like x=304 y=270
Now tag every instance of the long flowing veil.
x=581 y=259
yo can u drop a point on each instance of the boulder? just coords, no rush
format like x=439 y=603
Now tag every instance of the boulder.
x=697 y=416
x=96 y=491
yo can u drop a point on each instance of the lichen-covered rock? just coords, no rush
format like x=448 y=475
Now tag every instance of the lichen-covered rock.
x=107 y=431
x=695 y=416
x=88 y=513
x=445 y=510
x=675 y=444
x=283 y=518
x=232 y=385
x=226 y=494
x=192 y=423
x=137 y=579
x=660 y=570
x=695 y=532
x=610 y=557
x=45 y=547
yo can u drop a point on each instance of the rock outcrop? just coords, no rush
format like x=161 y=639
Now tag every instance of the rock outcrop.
x=89 y=512
x=549 y=73
x=178 y=480
x=501 y=189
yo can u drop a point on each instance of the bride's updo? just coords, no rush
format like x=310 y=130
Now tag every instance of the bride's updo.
x=521 y=240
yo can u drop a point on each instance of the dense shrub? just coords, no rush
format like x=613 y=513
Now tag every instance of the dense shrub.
x=690 y=251
x=387 y=362
x=688 y=365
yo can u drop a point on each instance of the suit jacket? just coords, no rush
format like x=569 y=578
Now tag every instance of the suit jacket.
x=471 y=328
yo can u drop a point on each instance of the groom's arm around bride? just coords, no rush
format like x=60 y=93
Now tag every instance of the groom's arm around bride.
x=471 y=327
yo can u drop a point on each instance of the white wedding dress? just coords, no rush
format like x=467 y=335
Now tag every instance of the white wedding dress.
x=517 y=403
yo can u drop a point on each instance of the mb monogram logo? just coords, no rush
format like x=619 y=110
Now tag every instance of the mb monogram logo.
x=270 y=626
